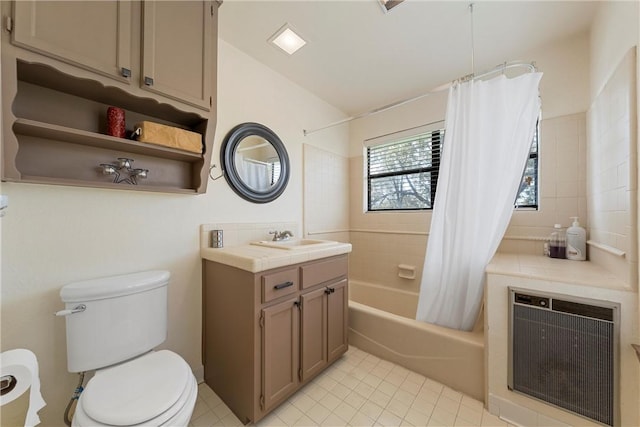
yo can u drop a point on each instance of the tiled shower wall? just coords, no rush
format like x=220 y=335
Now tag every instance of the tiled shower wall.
x=562 y=185
x=612 y=163
x=382 y=241
x=326 y=195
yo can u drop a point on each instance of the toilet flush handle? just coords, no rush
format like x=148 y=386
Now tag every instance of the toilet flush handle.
x=77 y=309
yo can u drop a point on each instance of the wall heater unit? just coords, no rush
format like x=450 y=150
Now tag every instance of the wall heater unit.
x=564 y=351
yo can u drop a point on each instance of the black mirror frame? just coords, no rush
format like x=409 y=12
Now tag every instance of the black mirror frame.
x=227 y=159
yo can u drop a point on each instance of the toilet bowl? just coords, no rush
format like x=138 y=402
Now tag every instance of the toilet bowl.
x=113 y=325
x=156 y=389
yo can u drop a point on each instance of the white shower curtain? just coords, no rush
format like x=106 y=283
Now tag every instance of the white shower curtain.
x=255 y=174
x=489 y=129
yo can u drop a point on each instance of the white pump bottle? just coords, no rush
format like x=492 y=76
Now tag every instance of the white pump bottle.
x=576 y=241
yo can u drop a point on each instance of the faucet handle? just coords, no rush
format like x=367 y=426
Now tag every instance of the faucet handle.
x=276 y=235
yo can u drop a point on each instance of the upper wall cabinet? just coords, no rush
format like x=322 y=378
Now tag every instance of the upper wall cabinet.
x=64 y=63
x=176 y=39
x=168 y=68
x=92 y=35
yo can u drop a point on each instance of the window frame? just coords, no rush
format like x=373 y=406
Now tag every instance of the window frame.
x=532 y=155
x=435 y=134
x=435 y=169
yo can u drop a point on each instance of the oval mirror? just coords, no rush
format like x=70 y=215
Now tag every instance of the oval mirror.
x=255 y=162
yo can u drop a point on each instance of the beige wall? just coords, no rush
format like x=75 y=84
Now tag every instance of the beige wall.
x=326 y=194
x=614 y=31
x=562 y=185
x=612 y=163
x=53 y=235
x=613 y=132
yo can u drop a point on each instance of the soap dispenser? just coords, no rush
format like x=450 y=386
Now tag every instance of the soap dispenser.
x=558 y=243
x=576 y=241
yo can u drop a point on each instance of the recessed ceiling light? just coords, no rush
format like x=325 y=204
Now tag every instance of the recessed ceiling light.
x=287 y=39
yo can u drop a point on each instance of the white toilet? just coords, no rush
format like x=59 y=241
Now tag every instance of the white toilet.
x=113 y=324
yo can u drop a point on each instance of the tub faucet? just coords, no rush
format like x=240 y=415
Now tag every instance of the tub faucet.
x=281 y=235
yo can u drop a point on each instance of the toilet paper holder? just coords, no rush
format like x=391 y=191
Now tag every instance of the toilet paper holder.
x=7 y=383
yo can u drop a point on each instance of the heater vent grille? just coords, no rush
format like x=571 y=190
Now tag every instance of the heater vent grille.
x=563 y=352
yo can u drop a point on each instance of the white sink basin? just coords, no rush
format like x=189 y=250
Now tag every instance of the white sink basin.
x=294 y=244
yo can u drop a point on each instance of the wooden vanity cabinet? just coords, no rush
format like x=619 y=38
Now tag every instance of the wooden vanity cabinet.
x=267 y=334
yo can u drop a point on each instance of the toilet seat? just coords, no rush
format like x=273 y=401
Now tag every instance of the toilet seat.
x=155 y=389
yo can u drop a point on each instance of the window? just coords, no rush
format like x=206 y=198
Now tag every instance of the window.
x=528 y=194
x=402 y=175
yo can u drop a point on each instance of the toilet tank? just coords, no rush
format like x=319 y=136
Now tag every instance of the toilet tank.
x=125 y=316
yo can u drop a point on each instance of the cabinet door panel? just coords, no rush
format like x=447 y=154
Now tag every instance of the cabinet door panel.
x=94 y=35
x=337 y=320
x=313 y=335
x=280 y=351
x=177 y=43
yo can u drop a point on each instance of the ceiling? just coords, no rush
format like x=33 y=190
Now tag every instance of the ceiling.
x=358 y=58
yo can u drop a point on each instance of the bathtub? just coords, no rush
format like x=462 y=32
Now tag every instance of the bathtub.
x=381 y=323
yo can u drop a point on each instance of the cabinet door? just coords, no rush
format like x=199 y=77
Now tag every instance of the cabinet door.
x=177 y=57
x=337 y=319
x=95 y=35
x=313 y=336
x=280 y=352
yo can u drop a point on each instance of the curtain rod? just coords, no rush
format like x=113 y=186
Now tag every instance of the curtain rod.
x=499 y=68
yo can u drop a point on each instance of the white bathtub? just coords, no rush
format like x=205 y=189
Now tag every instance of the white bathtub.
x=381 y=323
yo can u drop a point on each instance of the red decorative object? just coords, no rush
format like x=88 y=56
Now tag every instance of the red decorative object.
x=115 y=122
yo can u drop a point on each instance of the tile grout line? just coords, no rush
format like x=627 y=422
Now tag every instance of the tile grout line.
x=351 y=380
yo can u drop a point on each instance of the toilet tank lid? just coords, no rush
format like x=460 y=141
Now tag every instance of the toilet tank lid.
x=114 y=286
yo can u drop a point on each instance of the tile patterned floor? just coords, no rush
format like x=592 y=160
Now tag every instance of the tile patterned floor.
x=360 y=390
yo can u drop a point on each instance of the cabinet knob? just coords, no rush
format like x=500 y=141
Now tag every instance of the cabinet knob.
x=125 y=72
x=148 y=81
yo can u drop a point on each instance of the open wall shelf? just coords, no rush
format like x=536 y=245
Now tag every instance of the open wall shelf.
x=37 y=129
x=55 y=133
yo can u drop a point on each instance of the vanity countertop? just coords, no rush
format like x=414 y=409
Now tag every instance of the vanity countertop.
x=555 y=270
x=260 y=258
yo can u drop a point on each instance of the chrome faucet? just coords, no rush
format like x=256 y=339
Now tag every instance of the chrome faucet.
x=281 y=235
